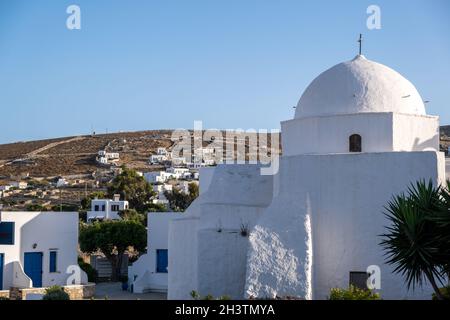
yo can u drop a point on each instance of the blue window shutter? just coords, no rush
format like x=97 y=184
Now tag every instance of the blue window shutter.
x=53 y=261
x=161 y=260
x=7 y=233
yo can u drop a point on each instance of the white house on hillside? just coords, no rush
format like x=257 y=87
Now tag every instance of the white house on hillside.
x=105 y=158
x=160 y=156
x=107 y=208
x=19 y=184
x=38 y=249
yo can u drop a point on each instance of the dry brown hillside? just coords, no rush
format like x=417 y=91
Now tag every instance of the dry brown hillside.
x=76 y=155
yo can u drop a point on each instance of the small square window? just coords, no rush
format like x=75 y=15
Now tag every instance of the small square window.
x=358 y=279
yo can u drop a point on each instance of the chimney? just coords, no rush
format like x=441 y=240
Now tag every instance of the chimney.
x=116 y=197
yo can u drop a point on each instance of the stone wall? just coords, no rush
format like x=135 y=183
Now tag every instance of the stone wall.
x=88 y=290
x=75 y=292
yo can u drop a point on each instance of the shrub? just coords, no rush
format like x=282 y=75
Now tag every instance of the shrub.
x=244 y=230
x=82 y=215
x=55 y=293
x=90 y=271
x=196 y=296
x=445 y=291
x=353 y=293
x=65 y=207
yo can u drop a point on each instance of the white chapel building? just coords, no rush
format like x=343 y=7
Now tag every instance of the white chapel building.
x=359 y=136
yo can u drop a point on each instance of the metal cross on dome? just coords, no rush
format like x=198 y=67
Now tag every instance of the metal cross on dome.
x=360 y=43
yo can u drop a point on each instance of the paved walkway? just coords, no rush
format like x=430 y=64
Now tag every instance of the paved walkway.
x=113 y=291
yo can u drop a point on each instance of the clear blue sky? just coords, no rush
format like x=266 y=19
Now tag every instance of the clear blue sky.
x=138 y=65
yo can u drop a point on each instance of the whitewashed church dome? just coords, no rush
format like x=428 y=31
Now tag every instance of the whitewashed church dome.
x=359 y=86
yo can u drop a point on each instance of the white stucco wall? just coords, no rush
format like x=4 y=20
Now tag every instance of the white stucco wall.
x=380 y=132
x=221 y=264
x=182 y=277
x=330 y=134
x=234 y=197
x=50 y=231
x=144 y=270
x=344 y=195
x=415 y=132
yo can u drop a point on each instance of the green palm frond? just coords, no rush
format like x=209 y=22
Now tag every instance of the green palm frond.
x=417 y=242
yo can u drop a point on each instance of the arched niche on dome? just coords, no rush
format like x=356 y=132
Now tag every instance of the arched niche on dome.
x=355 y=143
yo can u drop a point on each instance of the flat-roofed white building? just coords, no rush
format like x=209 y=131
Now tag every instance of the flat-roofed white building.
x=38 y=249
x=107 y=209
x=150 y=271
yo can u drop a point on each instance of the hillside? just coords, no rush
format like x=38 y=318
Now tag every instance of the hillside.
x=76 y=155
x=445 y=137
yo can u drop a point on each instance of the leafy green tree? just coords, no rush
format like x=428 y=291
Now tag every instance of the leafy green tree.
x=417 y=242
x=157 y=207
x=133 y=188
x=65 y=207
x=86 y=202
x=193 y=191
x=90 y=271
x=133 y=215
x=113 y=238
x=180 y=201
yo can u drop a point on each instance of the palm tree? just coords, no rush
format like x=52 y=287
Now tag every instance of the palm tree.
x=417 y=240
x=443 y=222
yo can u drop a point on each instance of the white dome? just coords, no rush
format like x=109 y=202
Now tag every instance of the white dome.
x=359 y=86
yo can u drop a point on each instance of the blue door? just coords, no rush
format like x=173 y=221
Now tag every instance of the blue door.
x=1 y=271
x=33 y=267
x=161 y=260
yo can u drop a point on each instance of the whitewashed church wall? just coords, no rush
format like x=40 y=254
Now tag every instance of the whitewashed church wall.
x=222 y=258
x=415 y=133
x=330 y=134
x=239 y=184
x=345 y=195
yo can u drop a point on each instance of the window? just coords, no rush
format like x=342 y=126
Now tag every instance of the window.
x=358 y=279
x=103 y=207
x=96 y=207
x=6 y=232
x=114 y=207
x=355 y=144
x=53 y=261
x=161 y=260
